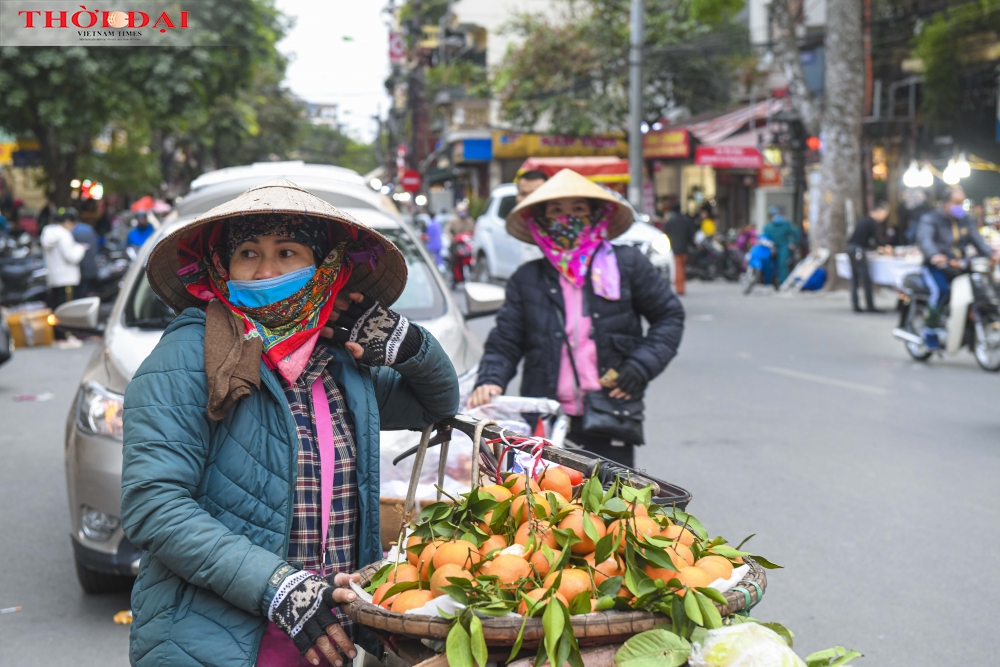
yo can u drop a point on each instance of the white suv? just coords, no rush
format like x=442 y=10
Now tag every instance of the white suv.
x=498 y=254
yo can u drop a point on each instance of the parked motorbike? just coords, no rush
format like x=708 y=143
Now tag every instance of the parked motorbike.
x=460 y=259
x=706 y=260
x=22 y=270
x=971 y=317
x=733 y=260
x=760 y=264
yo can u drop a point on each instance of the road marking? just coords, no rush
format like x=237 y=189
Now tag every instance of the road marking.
x=819 y=379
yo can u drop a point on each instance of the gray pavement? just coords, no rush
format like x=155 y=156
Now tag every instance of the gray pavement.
x=872 y=478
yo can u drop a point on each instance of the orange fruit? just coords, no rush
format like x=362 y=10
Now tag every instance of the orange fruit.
x=441 y=575
x=535 y=596
x=484 y=525
x=460 y=552
x=572 y=583
x=612 y=567
x=499 y=492
x=555 y=480
x=411 y=541
x=492 y=543
x=508 y=568
x=574 y=521
x=411 y=600
x=679 y=534
x=625 y=593
x=539 y=507
x=661 y=572
x=543 y=565
x=575 y=476
x=404 y=572
x=716 y=567
x=539 y=532
x=426 y=559
x=680 y=555
x=519 y=484
x=693 y=577
x=380 y=593
x=638 y=509
x=643 y=526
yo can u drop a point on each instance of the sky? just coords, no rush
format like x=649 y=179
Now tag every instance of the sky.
x=339 y=53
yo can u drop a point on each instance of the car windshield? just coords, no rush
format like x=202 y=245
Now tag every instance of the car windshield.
x=421 y=299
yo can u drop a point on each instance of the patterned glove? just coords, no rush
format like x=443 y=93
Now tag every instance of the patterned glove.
x=301 y=608
x=630 y=380
x=387 y=336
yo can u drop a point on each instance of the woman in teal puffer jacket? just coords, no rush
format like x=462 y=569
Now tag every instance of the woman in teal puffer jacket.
x=250 y=472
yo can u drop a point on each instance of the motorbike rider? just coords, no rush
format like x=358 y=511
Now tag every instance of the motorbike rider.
x=785 y=236
x=459 y=229
x=943 y=235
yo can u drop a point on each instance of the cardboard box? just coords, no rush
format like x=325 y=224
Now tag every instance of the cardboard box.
x=30 y=328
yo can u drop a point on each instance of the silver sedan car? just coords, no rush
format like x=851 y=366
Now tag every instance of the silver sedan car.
x=105 y=559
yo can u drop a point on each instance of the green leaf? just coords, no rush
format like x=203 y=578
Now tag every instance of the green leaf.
x=478 y=641
x=609 y=586
x=692 y=609
x=832 y=657
x=580 y=604
x=714 y=595
x=592 y=495
x=458 y=647
x=659 y=558
x=603 y=548
x=400 y=587
x=519 y=640
x=711 y=618
x=766 y=564
x=553 y=622
x=698 y=635
x=729 y=552
x=745 y=540
x=616 y=507
x=565 y=538
x=589 y=530
x=605 y=603
x=653 y=648
x=782 y=632
x=685 y=519
x=380 y=577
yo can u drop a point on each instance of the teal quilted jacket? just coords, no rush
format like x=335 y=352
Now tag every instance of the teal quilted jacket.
x=211 y=502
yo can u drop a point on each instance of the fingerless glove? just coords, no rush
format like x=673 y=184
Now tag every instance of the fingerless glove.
x=387 y=337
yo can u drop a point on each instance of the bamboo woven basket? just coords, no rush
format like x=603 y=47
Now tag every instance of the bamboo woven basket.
x=590 y=629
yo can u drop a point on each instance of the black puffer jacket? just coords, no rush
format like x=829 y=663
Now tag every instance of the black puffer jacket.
x=528 y=326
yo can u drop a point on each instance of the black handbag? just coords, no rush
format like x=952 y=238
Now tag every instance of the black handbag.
x=607 y=417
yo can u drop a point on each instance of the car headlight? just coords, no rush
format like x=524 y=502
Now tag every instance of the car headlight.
x=99 y=411
x=661 y=244
x=97 y=526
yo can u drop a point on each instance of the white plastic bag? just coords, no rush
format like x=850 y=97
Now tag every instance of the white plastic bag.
x=743 y=645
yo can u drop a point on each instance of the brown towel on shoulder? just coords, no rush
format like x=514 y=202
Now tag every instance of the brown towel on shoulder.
x=232 y=363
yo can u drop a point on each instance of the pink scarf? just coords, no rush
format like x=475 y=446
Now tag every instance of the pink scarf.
x=592 y=251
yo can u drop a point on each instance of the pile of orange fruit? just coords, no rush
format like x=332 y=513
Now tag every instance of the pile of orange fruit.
x=517 y=550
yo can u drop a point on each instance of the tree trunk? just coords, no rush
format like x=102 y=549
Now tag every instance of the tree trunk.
x=787 y=52
x=60 y=168
x=841 y=127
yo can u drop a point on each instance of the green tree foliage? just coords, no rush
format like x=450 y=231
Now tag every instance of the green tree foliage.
x=573 y=68
x=947 y=44
x=209 y=100
x=321 y=144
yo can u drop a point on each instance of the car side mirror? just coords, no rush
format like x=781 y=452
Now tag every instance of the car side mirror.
x=79 y=315
x=483 y=299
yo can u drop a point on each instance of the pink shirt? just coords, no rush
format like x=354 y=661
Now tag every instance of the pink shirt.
x=578 y=329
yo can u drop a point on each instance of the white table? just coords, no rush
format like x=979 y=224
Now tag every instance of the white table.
x=884 y=270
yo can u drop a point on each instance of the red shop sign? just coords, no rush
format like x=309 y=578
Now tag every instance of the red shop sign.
x=729 y=157
x=411 y=180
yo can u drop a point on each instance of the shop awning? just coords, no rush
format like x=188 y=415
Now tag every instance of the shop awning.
x=716 y=129
x=729 y=157
x=598 y=169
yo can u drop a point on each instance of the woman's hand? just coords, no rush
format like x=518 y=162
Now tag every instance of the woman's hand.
x=335 y=637
x=373 y=335
x=483 y=394
x=629 y=382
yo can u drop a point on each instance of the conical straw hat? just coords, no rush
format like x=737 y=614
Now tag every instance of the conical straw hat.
x=568 y=183
x=385 y=283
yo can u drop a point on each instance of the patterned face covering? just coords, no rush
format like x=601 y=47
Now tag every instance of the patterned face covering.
x=575 y=246
x=288 y=328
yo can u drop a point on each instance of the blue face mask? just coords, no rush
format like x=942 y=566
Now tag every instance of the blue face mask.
x=957 y=211
x=257 y=293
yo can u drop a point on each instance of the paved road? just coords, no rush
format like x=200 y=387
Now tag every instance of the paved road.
x=872 y=478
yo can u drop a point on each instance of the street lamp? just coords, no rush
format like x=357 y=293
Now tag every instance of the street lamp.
x=964 y=170
x=952 y=174
x=911 y=177
x=926 y=177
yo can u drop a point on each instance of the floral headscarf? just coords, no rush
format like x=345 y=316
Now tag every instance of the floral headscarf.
x=574 y=246
x=288 y=328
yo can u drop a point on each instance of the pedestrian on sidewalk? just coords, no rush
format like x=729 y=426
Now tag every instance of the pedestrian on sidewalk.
x=865 y=238
x=680 y=229
x=85 y=234
x=62 y=260
x=785 y=236
x=251 y=432
x=574 y=315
